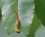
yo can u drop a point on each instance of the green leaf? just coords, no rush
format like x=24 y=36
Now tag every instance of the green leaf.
x=34 y=26
x=9 y=9
x=40 y=10
x=25 y=15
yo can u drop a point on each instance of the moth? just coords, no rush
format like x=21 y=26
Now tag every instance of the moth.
x=17 y=27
